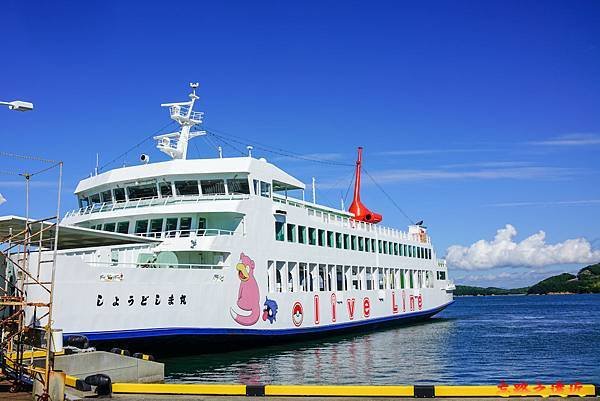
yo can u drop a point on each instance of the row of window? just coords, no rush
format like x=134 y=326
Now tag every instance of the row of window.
x=164 y=189
x=332 y=239
x=152 y=226
x=309 y=277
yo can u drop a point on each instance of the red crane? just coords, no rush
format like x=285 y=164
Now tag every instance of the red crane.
x=360 y=211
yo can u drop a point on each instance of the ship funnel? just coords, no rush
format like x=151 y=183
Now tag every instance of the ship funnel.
x=360 y=211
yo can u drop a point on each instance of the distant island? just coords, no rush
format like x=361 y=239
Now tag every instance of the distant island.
x=586 y=281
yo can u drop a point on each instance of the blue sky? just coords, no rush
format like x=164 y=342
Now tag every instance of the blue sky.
x=473 y=115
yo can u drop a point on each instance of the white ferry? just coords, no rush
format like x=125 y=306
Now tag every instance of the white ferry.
x=217 y=249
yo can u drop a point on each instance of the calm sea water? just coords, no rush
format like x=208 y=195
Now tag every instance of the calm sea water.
x=477 y=340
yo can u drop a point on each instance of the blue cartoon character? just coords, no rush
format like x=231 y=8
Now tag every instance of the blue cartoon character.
x=270 y=310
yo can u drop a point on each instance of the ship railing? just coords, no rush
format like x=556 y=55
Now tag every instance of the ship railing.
x=152 y=265
x=178 y=111
x=152 y=201
x=200 y=232
x=329 y=217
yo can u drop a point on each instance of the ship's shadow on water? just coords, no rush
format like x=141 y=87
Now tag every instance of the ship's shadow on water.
x=475 y=341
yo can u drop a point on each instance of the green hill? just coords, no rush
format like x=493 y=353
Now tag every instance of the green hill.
x=587 y=280
x=469 y=290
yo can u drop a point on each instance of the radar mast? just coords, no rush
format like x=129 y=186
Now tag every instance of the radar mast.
x=175 y=144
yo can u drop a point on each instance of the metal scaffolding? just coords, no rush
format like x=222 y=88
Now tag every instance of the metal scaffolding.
x=27 y=262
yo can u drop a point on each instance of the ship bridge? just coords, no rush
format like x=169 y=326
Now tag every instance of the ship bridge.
x=176 y=197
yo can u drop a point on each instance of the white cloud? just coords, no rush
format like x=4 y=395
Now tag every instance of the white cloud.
x=503 y=251
x=2 y=199
x=572 y=140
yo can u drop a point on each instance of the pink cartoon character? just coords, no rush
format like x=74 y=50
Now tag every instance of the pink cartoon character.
x=247 y=309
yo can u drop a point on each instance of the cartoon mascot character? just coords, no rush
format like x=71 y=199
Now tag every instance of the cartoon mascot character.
x=247 y=309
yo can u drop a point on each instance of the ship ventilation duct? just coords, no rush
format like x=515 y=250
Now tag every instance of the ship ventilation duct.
x=360 y=211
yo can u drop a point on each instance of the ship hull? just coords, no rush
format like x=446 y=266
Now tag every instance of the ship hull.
x=175 y=341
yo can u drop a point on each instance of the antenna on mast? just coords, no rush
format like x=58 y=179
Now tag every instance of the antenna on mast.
x=175 y=144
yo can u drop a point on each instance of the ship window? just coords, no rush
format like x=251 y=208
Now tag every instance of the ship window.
x=114 y=257
x=402 y=278
x=392 y=279
x=95 y=198
x=270 y=274
x=141 y=226
x=339 y=278
x=265 y=189
x=278 y=279
x=361 y=244
x=347 y=278
x=279 y=235
x=355 y=278
x=119 y=194
x=213 y=187
x=330 y=239
x=419 y=252
x=185 y=226
x=338 y=240
x=292 y=286
x=346 y=241
x=400 y=250
x=414 y=251
x=302 y=273
x=386 y=248
x=186 y=187
x=405 y=250
x=165 y=189
x=380 y=279
x=291 y=232
x=302 y=234
x=395 y=249
x=109 y=227
x=83 y=202
x=321 y=237
x=353 y=242
x=312 y=236
x=367 y=245
x=123 y=227
x=171 y=227
x=410 y=278
x=330 y=275
x=372 y=244
x=106 y=196
x=429 y=253
x=156 y=225
x=380 y=247
x=322 y=278
x=238 y=186
x=142 y=191
x=369 y=277
x=442 y=275
x=410 y=249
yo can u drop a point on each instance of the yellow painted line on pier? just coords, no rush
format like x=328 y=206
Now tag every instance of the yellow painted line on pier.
x=540 y=390
x=340 y=391
x=192 y=389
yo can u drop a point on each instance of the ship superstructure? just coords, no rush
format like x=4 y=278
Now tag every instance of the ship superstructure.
x=217 y=248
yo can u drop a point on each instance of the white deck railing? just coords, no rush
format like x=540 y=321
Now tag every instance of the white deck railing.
x=160 y=265
x=200 y=232
x=340 y=218
x=154 y=201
